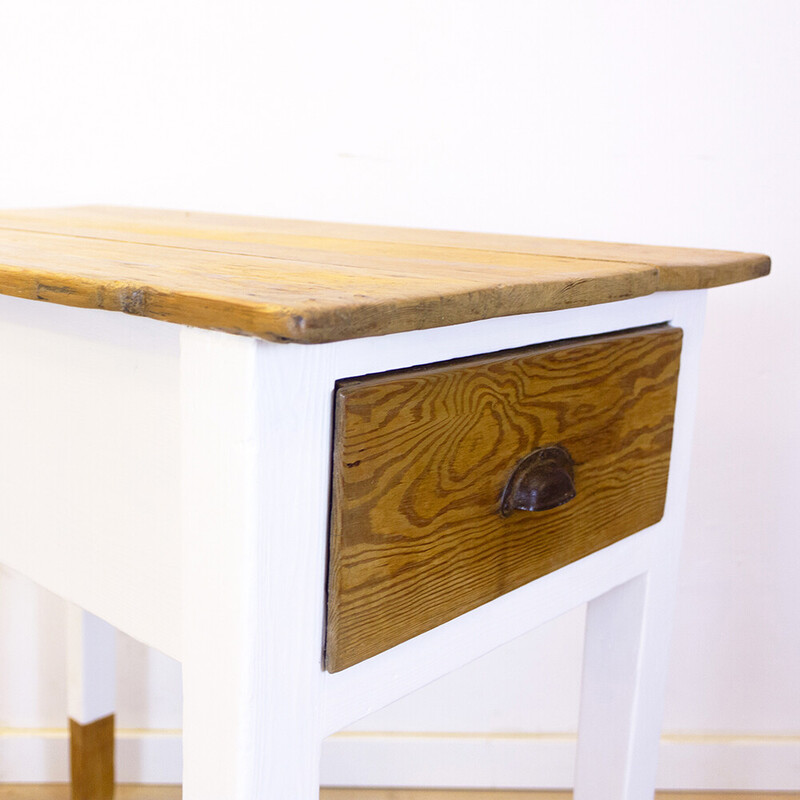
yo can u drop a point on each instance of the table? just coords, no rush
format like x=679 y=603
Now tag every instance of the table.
x=169 y=469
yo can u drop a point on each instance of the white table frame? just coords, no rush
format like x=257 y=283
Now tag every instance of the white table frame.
x=174 y=482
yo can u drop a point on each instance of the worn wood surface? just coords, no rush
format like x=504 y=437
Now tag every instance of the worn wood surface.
x=302 y=281
x=92 y=759
x=421 y=460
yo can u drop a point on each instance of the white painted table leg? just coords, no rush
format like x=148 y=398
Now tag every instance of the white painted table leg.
x=91 y=699
x=628 y=629
x=254 y=518
x=625 y=669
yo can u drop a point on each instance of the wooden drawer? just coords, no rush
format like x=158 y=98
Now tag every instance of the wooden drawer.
x=422 y=461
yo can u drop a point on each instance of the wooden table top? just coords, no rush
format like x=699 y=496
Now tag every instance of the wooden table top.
x=298 y=281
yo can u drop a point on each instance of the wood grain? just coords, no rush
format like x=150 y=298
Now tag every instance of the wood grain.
x=287 y=280
x=92 y=759
x=421 y=460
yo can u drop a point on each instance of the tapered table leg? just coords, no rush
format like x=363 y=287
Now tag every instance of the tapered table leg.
x=625 y=670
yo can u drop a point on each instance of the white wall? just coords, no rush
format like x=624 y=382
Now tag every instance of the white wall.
x=659 y=122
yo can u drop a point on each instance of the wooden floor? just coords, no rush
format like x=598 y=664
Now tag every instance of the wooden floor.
x=61 y=792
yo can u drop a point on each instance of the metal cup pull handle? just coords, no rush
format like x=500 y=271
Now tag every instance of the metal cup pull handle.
x=542 y=480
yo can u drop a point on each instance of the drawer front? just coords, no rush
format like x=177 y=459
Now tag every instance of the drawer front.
x=423 y=523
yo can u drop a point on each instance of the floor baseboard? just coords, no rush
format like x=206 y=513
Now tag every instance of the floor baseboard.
x=452 y=761
x=149 y=792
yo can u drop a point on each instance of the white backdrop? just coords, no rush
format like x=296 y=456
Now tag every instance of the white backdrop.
x=659 y=122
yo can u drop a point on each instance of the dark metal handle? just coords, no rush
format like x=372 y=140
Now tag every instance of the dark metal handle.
x=544 y=479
